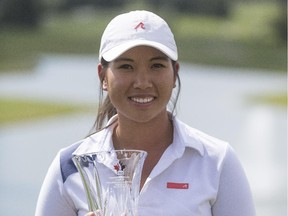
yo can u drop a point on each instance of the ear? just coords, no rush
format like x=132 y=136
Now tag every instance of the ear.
x=104 y=85
x=176 y=71
x=102 y=77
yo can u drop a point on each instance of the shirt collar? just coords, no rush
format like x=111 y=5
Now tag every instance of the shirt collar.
x=184 y=136
x=100 y=141
x=187 y=137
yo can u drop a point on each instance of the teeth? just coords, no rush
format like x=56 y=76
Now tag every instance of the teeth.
x=142 y=100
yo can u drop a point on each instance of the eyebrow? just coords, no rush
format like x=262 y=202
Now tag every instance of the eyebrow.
x=162 y=58
x=123 y=59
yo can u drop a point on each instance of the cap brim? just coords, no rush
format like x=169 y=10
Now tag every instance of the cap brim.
x=115 y=52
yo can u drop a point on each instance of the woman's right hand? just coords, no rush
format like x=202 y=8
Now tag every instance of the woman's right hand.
x=90 y=214
x=97 y=213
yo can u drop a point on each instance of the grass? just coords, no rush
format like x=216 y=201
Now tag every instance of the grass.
x=279 y=100
x=14 y=110
x=245 y=39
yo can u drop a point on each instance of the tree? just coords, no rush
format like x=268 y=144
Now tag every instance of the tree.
x=281 y=22
x=206 y=7
x=20 y=13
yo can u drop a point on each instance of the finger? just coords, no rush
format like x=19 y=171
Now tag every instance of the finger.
x=90 y=214
x=97 y=213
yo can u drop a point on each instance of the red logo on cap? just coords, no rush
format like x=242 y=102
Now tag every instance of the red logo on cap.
x=140 y=25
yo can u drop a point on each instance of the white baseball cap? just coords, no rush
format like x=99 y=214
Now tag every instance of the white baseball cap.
x=133 y=29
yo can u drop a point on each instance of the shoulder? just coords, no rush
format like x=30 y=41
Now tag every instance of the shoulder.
x=206 y=145
x=67 y=166
x=95 y=142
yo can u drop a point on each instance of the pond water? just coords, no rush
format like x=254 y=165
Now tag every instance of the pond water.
x=214 y=100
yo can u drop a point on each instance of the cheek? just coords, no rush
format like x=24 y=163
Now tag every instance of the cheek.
x=111 y=80
x=114 y=81
x=166 y=88
x=116 y=85
x=167 y=81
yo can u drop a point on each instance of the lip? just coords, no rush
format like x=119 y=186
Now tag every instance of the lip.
x=142 y=100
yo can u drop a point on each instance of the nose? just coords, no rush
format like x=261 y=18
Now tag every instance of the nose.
x=142 y=79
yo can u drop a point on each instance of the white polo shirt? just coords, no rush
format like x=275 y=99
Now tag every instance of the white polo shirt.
x=197 y=175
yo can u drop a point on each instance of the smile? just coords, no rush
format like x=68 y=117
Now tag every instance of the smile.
x=142 y=100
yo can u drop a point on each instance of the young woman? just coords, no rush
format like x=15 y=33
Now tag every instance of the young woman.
x=186 y=171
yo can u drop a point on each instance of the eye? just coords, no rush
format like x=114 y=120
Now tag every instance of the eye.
x=125 y=66
x=158 y=65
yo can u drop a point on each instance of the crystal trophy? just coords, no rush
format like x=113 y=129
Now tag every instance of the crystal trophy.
x=111 y=180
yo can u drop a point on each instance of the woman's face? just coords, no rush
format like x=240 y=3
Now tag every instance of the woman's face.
x=140 y=83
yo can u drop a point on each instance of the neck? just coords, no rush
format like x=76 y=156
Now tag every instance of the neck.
x=150 y=136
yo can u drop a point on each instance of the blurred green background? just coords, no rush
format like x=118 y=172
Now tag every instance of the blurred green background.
x=229 y=33
x=236 y=51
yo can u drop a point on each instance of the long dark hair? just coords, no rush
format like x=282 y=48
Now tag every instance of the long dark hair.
x=106 y=109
